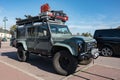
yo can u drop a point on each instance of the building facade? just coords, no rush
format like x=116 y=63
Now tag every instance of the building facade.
x=7 y=35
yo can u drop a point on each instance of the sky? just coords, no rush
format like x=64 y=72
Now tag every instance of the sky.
x=84 y=15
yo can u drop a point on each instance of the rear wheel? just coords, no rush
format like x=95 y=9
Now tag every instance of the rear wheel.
x=64 y=63
x=22 y=54
x=106 y=51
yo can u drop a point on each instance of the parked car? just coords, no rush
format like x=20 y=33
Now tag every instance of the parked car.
x=4 y=39
x=13 y=42
x=108 y=41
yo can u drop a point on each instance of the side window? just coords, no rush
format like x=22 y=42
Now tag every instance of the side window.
x=39 y=31
x=21 y=32
x=54 y=29
x=42 y=31
x=31 y=32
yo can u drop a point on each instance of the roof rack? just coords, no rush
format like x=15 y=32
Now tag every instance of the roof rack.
x=45 y=15
x=28 y=20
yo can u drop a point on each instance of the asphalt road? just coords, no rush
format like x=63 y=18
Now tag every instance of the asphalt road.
x=104 y=68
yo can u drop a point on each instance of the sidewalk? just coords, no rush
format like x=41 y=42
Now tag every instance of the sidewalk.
x=96 y=72
x=9 y=73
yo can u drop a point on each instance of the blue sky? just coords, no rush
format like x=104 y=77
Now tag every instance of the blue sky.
x=84 y=15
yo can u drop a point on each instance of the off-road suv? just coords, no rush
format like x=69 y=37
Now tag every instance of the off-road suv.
x=47 y=35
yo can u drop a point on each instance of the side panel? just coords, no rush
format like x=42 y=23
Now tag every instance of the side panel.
x=31 y=32
x=23 y=42
x=42 y=40
x=114 y=43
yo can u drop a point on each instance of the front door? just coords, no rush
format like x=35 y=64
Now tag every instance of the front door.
x=42 y=42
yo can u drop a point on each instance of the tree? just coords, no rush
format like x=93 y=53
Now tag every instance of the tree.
x=12 y=29
x=86 y=34
x=78 y=34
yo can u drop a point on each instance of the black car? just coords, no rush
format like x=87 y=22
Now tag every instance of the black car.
x=108 y=41
x=4 y=39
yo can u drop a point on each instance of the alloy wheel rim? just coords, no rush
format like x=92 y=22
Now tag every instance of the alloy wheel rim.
x=106 y=52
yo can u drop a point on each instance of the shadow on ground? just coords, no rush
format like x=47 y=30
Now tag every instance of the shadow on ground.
x=40 y=62
x=46 y=64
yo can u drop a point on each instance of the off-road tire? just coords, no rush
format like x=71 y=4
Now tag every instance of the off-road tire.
x=64 y=63
x=22 y=54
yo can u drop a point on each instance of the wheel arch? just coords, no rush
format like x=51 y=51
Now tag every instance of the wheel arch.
x=59 y=46
x=23 y=44
x=109 y=46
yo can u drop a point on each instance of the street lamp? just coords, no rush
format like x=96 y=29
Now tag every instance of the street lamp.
x=4 y=20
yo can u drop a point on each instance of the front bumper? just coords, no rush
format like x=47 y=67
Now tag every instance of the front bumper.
x=93 y=54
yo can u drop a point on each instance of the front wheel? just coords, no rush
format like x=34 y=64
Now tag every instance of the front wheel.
x=22 y=54
x=64 y=63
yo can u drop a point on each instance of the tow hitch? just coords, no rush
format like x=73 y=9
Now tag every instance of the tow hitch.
x=95 y=53
x=86 y=58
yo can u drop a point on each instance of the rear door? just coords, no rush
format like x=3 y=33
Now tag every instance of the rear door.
x=31 y=32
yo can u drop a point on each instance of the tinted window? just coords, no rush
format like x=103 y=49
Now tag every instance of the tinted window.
x=21 y=32
x=107 y=33
x=59 y=29
x=31 y=32
x=42 y=31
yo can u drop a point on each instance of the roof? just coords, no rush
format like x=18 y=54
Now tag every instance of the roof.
x=43 y=17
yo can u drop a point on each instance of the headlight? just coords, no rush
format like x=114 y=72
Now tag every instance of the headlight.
x=95 y=44
x=79 y=47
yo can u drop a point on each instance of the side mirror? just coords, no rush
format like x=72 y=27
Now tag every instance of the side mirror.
x=44 y=33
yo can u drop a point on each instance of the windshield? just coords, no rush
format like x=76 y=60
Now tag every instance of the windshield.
x=59 y=29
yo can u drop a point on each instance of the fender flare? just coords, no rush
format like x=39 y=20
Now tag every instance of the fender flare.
x=66 y=46
x=23 y=44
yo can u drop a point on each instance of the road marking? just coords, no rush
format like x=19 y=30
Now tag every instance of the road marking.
x=83 y=69
x=38 y=78
x=106 y=66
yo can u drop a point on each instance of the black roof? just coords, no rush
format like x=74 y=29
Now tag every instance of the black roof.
x=30 y=20
x=40 y=18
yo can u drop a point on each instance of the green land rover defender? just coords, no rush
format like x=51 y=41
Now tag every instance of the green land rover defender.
x=47 y=35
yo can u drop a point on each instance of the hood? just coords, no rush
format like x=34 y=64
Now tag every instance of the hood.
x=86 y=39
x=61 y=38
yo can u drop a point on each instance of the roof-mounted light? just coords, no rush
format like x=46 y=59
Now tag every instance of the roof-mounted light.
x=45 y=11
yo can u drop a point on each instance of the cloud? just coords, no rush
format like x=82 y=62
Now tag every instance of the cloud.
x=92 y=23
x=86 y=28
